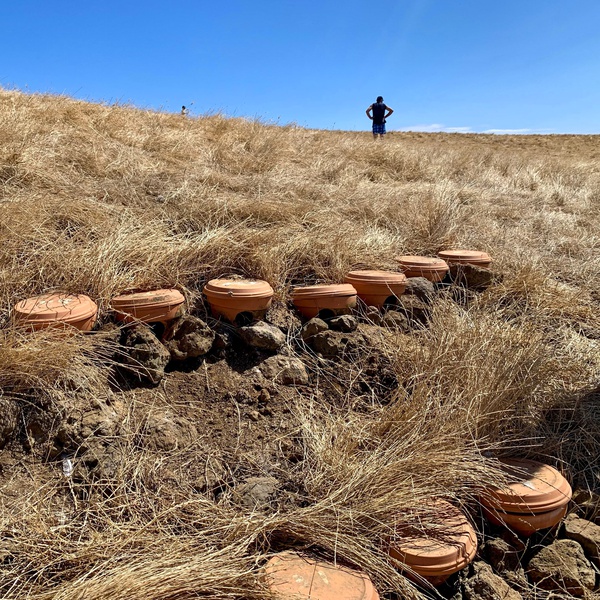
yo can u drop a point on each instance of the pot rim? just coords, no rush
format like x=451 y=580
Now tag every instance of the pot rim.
x=537 y=488
x=463 y=255
x=374 y=277
x=152 y=298
x=238 y=288
x=323 y=290
x=424 y=263
x=56 y=307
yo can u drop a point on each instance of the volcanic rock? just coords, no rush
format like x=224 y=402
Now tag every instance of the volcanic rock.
x=562 y=566
x=263 y=335
x=286 y=370
x=189 y=337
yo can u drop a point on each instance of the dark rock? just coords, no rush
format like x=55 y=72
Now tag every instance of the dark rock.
x=286 y=370
x=256 y=492
x=167 y=432
x=263 y=335
x=373 y=315
x=312 y=327
x=42 y=426
x=421 y=288
x=9 y=412
x=513 y=540
x=587 y=502
x=501 y=555
x=280 y=316
x=484 y=585
x=416 y=310
x=473 y=277
x=562 y=567
x=214 y=476
x=188 y=337
x=329 y=343
x=264 y=396
x=585 y=533
x=343 y=323
x=224 y=339
x=144 y=354
x=105 y=462
x=254 y=415
x=395 y=320
x=101 y=420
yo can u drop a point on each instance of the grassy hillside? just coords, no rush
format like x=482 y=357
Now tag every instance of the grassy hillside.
x=103 y=199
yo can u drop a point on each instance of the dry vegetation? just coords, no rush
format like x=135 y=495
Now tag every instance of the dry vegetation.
x=102 y=199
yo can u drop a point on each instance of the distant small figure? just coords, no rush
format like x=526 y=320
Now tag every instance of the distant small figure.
x=379 y=116
x=184 y=111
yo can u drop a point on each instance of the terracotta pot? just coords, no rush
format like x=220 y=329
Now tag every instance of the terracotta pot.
x=466 y=257
x=156 y=306
x=377 y=288
x=291 y=576
x=49 y=310
x=436 y=554
x=238 y=299
x=536 y=497
x=525 y=524
x=324 y=300
x=434 y=269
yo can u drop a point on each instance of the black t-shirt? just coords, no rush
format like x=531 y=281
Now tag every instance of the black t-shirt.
x=379 y=109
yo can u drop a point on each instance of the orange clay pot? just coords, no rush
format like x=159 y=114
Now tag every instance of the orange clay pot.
x=434 y=269
x=324 y=300
x=290 y=576
x=436 y=554
x=377 y=288
x=50 y=310
x=466 y=257
x=156 y=306
x=237 y=298
x=536 y=498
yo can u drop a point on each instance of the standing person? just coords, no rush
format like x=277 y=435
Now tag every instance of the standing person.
x=379 y=116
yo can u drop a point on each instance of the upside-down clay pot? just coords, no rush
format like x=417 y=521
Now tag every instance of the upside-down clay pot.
x=536 y=497
x=435 y=554
x=325 y=300
x=156 y=306
x=434 y=269
x=466 y=257
x=291 y=576
x=50 y=310
x=377 y=288
x=235 y=299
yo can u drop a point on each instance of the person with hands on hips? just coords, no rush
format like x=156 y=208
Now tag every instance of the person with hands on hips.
x=378 y=112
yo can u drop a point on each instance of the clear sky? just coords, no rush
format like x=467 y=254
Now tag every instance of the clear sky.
x=453 y=65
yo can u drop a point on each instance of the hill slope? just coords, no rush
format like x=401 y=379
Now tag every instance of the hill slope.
x=104 y=199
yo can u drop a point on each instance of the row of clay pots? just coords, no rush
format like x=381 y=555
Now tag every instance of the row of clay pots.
x=435 y=269
x=80 y=311
x=535 y=498
x=230 y=298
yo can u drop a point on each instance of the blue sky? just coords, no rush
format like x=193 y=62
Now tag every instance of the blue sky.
x=455 y=65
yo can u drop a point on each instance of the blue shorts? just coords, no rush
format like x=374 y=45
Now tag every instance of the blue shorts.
x=378 y=129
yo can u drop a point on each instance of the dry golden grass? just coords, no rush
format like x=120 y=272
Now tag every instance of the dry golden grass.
x=102 y=199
